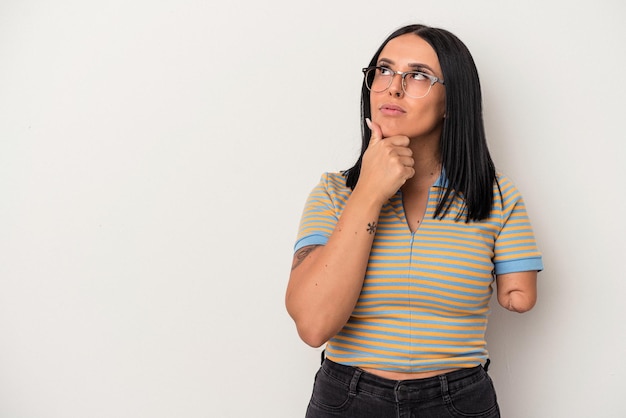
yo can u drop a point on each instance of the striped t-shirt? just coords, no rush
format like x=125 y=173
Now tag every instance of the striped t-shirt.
x=425 y=296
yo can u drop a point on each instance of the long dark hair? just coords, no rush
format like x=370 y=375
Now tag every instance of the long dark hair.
x=465 y=158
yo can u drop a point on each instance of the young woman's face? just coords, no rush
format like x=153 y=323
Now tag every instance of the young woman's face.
x=392 y=109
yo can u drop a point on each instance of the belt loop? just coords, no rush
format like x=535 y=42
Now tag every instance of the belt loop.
x=355 y=380
x=486 y=366
x=443 y=381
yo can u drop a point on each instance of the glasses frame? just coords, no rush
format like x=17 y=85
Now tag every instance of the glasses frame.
x=433 y=79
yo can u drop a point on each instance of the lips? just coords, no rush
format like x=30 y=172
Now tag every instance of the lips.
x=391 y=109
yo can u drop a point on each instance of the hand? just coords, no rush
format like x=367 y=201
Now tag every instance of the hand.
x=387 y=164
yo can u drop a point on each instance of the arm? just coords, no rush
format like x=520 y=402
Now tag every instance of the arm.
x=326 y=281
x=517 y=292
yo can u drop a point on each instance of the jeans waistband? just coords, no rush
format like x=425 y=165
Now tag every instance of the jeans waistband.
x=396 y=390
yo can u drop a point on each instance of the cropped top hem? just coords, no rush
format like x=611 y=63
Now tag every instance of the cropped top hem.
x=423 y=367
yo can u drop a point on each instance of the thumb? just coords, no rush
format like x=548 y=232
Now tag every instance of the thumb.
x=377 y=132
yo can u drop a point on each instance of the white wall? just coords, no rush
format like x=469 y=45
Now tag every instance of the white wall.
x=155 y=157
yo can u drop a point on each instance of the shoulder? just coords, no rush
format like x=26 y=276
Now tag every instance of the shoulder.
x=335 y=179
x=334 y=183
x=503 y=180
x=505 y=189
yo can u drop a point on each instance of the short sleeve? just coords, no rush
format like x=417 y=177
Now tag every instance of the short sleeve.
x=321 y=211
x=515 y=247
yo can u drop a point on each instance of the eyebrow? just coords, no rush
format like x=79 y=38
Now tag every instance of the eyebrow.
x=416 y=66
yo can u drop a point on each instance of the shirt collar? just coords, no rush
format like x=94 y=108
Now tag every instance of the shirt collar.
x=442 y=181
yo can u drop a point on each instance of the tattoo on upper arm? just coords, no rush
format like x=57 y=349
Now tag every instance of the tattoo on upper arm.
x=301 y=254
x=371 y=228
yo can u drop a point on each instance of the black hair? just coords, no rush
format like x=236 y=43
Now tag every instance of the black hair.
x=465 y=157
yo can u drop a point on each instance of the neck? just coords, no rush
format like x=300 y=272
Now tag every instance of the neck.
x=427 y=163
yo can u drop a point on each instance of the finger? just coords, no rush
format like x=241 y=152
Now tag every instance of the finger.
x=377 y=132
x=399 y=140
x=403 y=151
x=407 y=161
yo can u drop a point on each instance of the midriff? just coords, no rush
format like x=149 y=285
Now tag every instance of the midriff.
x=405 y=376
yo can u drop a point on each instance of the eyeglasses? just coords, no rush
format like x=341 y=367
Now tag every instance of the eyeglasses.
x=415 y=84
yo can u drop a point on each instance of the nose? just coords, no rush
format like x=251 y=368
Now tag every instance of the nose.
x=395 y=89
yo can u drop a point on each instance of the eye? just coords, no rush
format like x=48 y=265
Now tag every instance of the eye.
x=385 y=71
x=417 y=76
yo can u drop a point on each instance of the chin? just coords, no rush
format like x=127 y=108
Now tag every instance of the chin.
x=392 y=130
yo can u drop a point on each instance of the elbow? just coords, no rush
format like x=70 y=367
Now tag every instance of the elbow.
x=312 y=338
x=309 y=330
x=313 y=331
x=315 y=323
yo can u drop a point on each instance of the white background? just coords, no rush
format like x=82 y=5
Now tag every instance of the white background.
x=154 y=161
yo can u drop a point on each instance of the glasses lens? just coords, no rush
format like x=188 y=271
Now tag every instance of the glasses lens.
x=416 y=84
x=378 y=79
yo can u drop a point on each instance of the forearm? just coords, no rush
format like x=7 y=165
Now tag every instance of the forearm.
x=326 y=282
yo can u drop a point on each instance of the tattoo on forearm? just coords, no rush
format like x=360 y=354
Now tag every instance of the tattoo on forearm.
x=301 y=254
x=371 y=228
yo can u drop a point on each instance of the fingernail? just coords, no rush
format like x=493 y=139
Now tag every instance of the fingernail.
x=369 y=122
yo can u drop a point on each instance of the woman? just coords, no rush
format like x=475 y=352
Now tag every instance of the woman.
x=396 y=256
